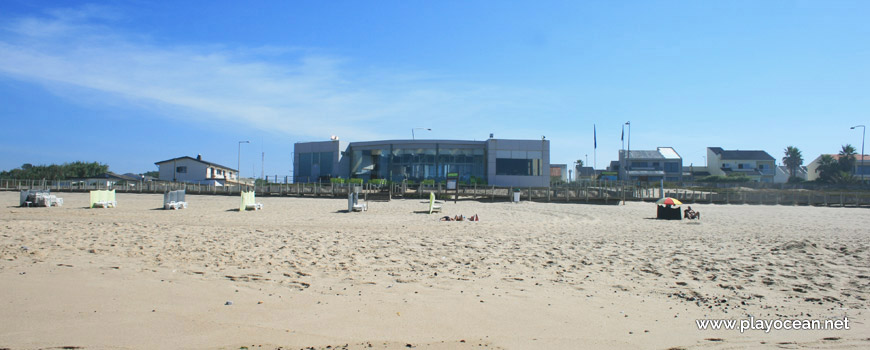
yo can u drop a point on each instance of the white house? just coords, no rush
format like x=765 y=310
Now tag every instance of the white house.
x=757 y=165
x=196 y=170
x=782 y=173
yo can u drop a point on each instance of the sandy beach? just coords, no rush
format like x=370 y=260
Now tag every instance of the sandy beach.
x=303 y=273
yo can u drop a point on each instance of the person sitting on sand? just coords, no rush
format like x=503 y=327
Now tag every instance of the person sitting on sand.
x=691 y=214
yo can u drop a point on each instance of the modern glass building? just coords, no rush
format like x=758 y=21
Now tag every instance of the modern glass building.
x=494 y=161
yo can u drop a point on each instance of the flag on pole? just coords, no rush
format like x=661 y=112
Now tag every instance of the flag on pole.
x=594 y=137
x=622 y=138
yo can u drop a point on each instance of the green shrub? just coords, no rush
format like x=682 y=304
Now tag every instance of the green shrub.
x=337 y=180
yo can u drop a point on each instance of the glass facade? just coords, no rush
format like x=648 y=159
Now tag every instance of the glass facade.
x=417 y=162
x=315 y=165
x=520 y=167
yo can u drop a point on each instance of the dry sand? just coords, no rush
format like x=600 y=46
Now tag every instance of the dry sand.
x=303 y=273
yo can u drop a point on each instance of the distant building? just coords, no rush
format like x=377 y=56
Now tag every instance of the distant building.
x=862 y=166
x=664 y=163
x=497 y=162
x=756 y=165
x=695 y=172
x=560 y=171
x=104 y=180
x=783 y=173
x=196 y=170
x=585 y=173
x=141 y=177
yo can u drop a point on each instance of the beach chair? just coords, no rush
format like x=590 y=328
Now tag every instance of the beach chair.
x=103 y=199
x=174 y=200
x=353 y=203
x=433 y=204
x=249 y=202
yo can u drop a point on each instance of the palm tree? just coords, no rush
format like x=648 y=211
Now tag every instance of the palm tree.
x=828 y=168
x=847 y=158
x=793 y=159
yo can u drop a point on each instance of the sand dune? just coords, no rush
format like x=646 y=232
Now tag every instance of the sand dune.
x=304 y=273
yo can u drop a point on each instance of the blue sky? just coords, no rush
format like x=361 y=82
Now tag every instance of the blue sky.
x=132 y=83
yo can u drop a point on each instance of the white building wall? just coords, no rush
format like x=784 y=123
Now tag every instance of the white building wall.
x=714 y=163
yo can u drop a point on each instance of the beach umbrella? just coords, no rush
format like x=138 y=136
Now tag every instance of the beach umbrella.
x=668 y=201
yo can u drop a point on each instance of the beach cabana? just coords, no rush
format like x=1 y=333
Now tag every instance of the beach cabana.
x=103 y=199
x=249 y=202
x=433 y=204
x=353 y=203
x=174 y=200
x=668 y=209
x=39 y=198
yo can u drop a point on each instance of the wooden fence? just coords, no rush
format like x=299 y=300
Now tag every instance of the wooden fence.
x=598 y=192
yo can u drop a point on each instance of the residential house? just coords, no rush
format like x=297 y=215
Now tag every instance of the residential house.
x=756 y=165
x=196 y=170
x=862 y=166
x=664 y=163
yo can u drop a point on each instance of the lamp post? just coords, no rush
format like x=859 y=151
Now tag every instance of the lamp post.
x=863 y=133
x=628 y=154
x=239 y=164
x=412 y=131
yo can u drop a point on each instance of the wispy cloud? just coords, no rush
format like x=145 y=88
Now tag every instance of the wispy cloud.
x=285 y=90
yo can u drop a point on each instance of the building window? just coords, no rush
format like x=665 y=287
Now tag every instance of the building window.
x=181 y=170
x=672 y=167
x=740 y=166
x=519 y=167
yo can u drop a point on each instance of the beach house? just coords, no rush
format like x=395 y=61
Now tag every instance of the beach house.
x=499 y=162
x=663 y=163
x=196 y=170
x=862 y=166
x=757 y=165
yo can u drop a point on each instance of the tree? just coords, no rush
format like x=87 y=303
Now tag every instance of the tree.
x=579 y=163
x=793 y=159
x=847 y=158
x=55 y=172
x=828 y=169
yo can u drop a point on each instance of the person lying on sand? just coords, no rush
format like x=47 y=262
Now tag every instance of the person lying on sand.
x=460 y=218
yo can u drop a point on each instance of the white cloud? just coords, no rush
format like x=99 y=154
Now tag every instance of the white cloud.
x=285 y=90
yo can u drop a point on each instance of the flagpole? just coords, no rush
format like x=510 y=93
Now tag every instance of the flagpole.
x=594 y=148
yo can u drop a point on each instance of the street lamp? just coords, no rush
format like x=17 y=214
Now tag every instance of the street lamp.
x=628 y=154
x=864 y=133
x=412 y=131
x=239 y=165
